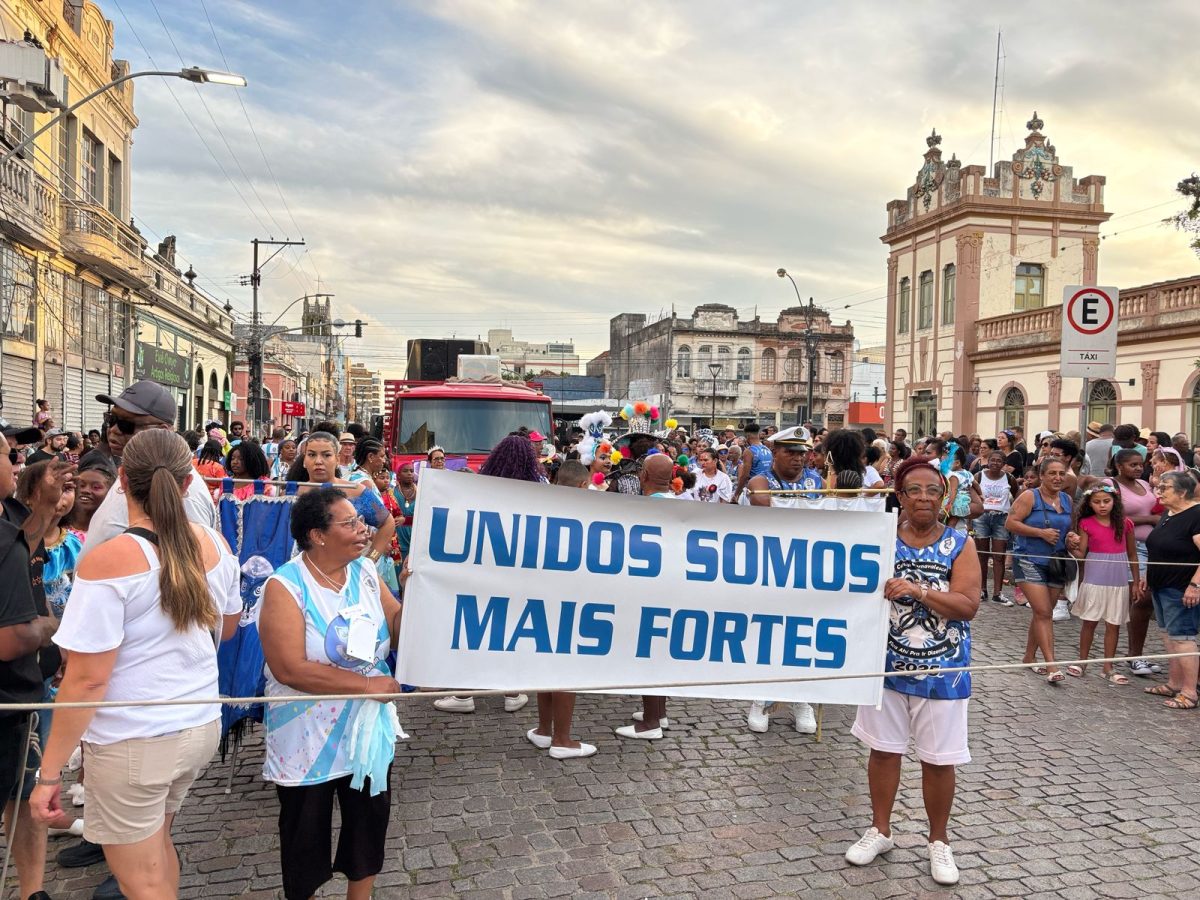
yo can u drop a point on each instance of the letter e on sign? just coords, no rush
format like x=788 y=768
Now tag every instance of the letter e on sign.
x=1089 y=331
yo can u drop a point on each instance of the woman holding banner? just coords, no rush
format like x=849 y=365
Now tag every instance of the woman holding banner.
x=933 y=596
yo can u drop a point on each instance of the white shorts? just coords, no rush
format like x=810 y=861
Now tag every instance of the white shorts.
x=937 y=728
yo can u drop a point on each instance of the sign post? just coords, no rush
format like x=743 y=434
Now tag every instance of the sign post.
x=1089 y=337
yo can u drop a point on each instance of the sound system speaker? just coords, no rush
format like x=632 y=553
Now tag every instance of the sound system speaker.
x=437 y=359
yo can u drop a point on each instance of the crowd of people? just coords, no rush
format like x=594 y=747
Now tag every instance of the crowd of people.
x=1110 y=523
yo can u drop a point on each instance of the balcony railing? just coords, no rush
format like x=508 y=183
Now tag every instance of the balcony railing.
x=30 y=203
x=95 y=236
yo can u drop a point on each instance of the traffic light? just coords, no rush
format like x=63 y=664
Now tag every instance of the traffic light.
x=358 y=328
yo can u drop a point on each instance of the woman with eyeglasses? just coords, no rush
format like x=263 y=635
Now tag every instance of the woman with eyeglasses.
x=318 y=465
x=1040 y=520
x=327 y=627
x=933 y=594
x=1173 y=579
x=435 y=458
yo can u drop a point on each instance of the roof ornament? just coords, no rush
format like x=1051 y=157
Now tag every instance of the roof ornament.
x=1035 y=124
x=934 y=138
x=1038 y=162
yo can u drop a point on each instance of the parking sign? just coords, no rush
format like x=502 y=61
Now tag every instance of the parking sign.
x=1089 y=331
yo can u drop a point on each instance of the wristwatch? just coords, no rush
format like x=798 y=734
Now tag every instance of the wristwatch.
x=38 y=779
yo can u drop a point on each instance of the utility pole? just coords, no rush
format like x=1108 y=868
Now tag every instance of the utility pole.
x=810 y=348
x=714 y=370
x=255 y=350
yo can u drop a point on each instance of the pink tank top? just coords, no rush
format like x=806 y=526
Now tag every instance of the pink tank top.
x=1137 y=505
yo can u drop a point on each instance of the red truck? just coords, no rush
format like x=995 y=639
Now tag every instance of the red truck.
x=465 y=418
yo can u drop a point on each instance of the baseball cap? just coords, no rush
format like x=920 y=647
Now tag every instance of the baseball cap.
x=536 y=436
x=347 y=438
x=20 y=434
x=145 y=398
x=55 y=432
x=796 y=436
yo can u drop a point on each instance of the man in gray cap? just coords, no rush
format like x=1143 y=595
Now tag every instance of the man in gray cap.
x=141 y=406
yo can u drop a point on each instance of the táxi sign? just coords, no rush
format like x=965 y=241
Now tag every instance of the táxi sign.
x=163 y=366
x=291 y=408
x=1089 y=332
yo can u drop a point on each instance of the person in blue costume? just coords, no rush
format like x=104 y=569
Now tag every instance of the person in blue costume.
x=317 y=464
x=932 y=597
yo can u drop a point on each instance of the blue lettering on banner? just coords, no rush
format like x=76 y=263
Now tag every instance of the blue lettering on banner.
x=644 y=550
x=533 y=624
x=703 y=556
x=776 y=566
x=594 y=628
x=766 y=629
x=832 y=644
x=471 y=625
x=648 y=629
x=437 y=537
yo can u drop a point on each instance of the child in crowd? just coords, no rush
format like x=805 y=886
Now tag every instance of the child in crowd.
x=1102 y=537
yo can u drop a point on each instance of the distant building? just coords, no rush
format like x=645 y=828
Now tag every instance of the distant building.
x=868 y=377
x=365 y=394
x=597 y=364
x=760 y=373
x=524 y=358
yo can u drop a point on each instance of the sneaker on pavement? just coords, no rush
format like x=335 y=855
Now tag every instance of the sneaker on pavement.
x=941 y=863
x=456 y=704
x=664 y=723
x=869 y=846
x=1140 y=667
x=85 y=853
x=108 y=889
x=1001 y=599
x=75 y=760
x=512 y=704
x=1061 y=611
x=806 y=719
x=757 y=719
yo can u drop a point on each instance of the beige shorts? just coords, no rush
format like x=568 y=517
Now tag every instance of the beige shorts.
x=937 y=729
x=133 y=785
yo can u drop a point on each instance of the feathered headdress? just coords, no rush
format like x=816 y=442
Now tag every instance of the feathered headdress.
x=593 y=441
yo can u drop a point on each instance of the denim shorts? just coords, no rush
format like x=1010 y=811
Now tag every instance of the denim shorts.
x=1181 y=623
x=1032 y=572
x=990 y=526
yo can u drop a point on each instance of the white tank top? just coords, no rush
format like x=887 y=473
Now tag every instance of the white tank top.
x=997 y=497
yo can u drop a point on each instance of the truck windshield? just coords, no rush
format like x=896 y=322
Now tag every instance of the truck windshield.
x=464 y=425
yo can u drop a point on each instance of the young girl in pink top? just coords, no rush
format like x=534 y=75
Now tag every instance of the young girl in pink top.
x=1103 y=538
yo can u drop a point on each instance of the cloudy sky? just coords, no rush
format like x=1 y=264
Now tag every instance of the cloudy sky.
x=469 y=164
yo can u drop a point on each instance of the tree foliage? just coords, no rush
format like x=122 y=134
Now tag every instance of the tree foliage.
x=1189 y=219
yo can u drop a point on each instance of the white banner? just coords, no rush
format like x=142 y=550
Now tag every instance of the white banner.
x=527 y=586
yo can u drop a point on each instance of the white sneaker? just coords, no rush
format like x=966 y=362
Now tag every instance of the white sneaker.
x=806 y=719
x=664 y=723
x=1062 y=613
x=941 y=863
x=75 y=830
x=75 y=760
x=456 y=704
x=512 y=704
x=757 y=719
x=869 y=846
x=630 y=731
x=572 y=752
x=76 y=794
x=541 y=741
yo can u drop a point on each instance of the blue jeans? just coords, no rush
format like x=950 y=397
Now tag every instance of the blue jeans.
x=1181 y=623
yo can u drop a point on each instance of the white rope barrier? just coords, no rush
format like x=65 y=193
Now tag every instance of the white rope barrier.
x=613 y=688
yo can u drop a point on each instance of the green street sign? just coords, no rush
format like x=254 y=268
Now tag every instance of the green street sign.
x=167 y=368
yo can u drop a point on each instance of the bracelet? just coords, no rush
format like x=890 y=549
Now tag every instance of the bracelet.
x=367 y=678
x=52 y=782
x=373 y=555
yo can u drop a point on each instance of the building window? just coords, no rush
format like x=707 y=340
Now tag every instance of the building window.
x=73 y=314
x=114 y=186
x=1014 y=408
x=948 y=294
x=96 y=312
x=791 y=366
x=837 y=367
x=925 y=300
x=1194 y=403
x=924 y=406
x=89 y=166
x=743 y=364
x=683 y=367
x=902 y=306
x=18 y=295
x=1102 y=402
x=703 y=358
x=724 y=357
x=1030 y=278
x=768 y=365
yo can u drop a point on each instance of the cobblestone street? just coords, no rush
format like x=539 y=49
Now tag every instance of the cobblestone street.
x=1079 y=790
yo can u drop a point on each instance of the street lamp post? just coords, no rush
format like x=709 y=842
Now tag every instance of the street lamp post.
x=715 y=370
x=810 y=342
x=194 y=74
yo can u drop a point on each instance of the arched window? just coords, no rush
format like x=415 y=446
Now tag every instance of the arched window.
x=791 y=366
x=1194 y=403
x=724 y=357
x=948 y=278
x=902 y=305
x=683 y=367
x=1102 y=402
x=743 y=364
x=214 y=399
x=837 y=367
x=198 y=398
x=768 y=365
x=1014 y=408
x=703 y=358
x=1028 y=289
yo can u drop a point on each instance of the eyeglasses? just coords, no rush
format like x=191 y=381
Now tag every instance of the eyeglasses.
x=933 y=491
x=125 y=426
x=14 y=456
x=353 y=524
x=1045 y=443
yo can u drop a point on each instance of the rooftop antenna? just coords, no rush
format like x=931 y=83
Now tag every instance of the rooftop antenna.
x=995 y=95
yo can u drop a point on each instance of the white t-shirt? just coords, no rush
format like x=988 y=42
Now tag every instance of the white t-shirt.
x=112 y=518
x=154 y=660
x=871 y=478
x=723 y=492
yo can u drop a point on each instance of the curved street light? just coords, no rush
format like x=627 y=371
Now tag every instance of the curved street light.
x=810 y=341
x=194 y=74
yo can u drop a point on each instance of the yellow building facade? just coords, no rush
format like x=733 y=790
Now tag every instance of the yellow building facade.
x=86 y=310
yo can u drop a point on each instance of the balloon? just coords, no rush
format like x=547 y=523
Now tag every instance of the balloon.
x=672 y=424
x=616 y=457
x=654 y=413
x=598 y=478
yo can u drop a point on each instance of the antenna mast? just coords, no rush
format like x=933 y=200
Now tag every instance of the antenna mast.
x=995 y=94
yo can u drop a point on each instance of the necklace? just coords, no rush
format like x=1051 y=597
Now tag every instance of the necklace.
x=140 y=519
x=329 y=581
